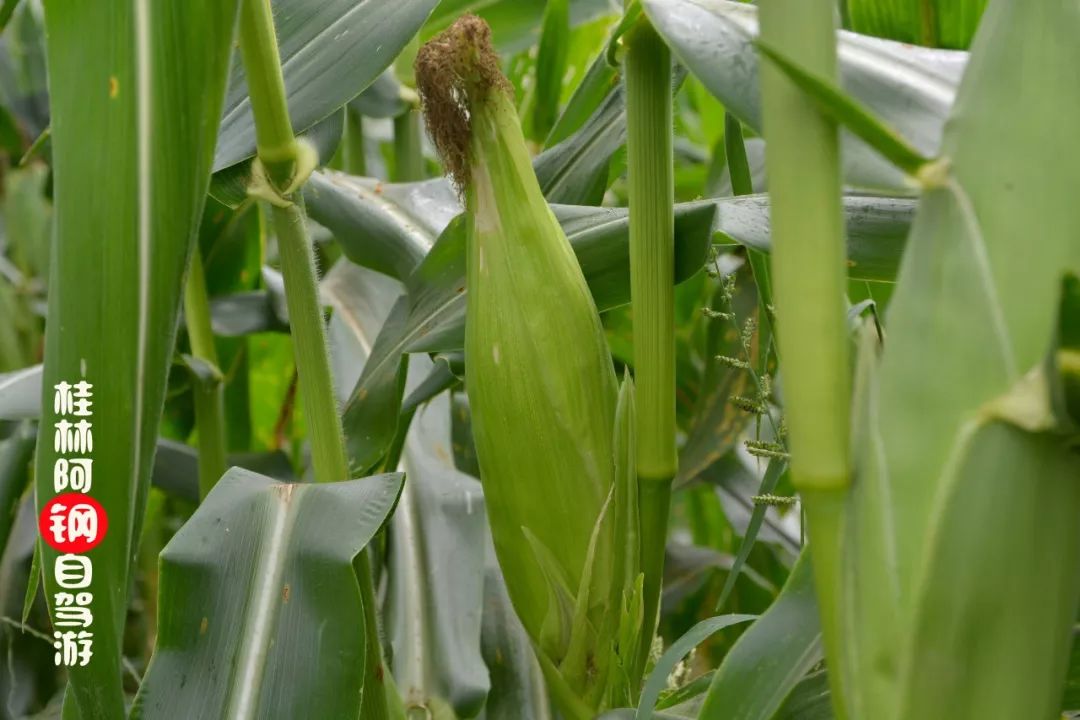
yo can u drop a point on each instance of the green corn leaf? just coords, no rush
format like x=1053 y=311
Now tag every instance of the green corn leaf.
x=580 y=168
x=431 y=616
x=248 y=586
x=383 y=98
x=230 y=185
x=1071 y=699
x=933 y=23
x=515 y=24
x=551 y=60
x=772 y=656
x=627 y=564
x=517 y=691
x=775 y=469
x=432 y=621
x=16 y=454
x=20 y=394
x=972 y=316
x=911 y=88
x=146 y=81
x=877 y=230
x=555 y=628
x=601 y=79
x=366 y=37
x=33 y=584
x=696 y=635
x=1035 y=495
x=846 y=111
x=809 y=700
x=615 y=46
x=431 y=318
x=447 y=373
x=7 y=9
x=176 y=468
x=735 y=152
x=388 y=227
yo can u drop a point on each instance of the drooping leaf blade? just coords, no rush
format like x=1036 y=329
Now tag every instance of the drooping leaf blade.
x=251 y=586
x=433 y=617
x=911 y=88
x=330 y=52
x=847 y=112
x=431 y=318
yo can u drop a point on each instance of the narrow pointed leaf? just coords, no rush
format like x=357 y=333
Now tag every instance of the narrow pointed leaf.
x=696 y=635
x=772 y=656
x=757 y=517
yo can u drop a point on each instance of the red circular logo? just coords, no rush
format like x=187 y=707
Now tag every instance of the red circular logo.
x=72 y=523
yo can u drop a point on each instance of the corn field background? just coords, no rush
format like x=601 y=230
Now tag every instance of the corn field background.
x=527 y=360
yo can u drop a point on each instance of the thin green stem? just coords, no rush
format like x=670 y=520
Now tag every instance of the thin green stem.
x=209 y=389
x=197 y=312
x=742 y=184
x=393 y=454
x=274 y=137
x=278 y=152
x=650 y=166
x=309 y=343
x=320 y=410
x=209 y=393
x=810 y=273
x=355 y=161
x=408 y=147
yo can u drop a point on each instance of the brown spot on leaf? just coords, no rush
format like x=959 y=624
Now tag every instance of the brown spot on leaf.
x=285 y=591
x=114 y=86
x=204 y=625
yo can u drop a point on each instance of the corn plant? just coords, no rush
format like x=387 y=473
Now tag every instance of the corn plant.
x=571 y=359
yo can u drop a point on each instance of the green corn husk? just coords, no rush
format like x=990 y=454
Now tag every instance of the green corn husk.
x=539 y=378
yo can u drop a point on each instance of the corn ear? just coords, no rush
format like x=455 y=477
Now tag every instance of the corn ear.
x=539 y=375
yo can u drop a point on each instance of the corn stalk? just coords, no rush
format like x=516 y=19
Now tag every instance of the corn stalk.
x=282 y=166
x=650 y=168
x=810 y=275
